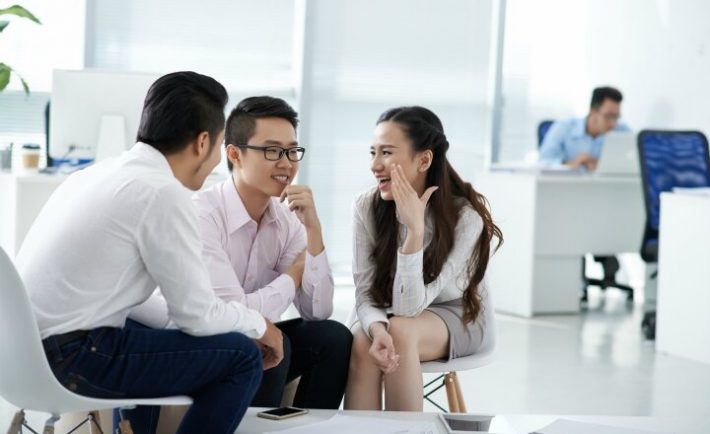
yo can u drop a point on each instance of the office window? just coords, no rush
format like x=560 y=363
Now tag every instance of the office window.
x=556 y=51
x=245 y=45
x=367 y=58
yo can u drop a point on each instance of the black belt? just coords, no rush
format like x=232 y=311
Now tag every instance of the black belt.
x=62 y=339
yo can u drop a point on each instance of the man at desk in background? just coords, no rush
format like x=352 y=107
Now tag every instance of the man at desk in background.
x=577 y=142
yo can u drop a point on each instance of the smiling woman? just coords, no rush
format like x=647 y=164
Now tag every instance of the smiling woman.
x=423 y=240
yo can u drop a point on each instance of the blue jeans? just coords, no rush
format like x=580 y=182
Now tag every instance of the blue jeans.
x=221 y=373
x=319 y=353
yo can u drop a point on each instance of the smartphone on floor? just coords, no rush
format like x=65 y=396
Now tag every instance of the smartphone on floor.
x=282 y=413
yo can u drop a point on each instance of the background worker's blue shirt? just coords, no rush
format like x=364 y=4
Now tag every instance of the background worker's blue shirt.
x=568 y=138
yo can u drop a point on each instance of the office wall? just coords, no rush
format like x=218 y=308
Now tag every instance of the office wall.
x=556 y=51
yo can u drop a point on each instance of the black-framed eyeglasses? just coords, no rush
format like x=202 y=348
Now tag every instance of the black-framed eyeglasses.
x=275 y=153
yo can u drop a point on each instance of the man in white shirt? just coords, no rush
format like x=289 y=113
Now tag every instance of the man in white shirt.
x=264 y=248
x=111 y=233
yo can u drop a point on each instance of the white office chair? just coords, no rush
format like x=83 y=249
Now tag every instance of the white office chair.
x=448 y=370
x=26 y=379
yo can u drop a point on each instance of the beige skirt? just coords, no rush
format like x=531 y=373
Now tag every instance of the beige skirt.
x=464 y=339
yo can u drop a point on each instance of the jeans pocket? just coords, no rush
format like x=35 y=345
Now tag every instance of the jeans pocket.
x=99 y=341
x=82 y=386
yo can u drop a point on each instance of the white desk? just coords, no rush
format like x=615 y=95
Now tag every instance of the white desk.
x=502 y=424
x=549 y=221
x=21 y=199
x=683 y=309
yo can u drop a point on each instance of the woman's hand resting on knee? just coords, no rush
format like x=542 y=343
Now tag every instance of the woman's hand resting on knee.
x=382 y=349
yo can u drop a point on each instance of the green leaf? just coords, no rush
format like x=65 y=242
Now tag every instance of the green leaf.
x=25 y=86
x=4 y=75
x=20 y=12
x=3 y=24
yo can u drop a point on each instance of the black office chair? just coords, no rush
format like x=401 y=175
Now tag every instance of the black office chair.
x=668 y=159
x=542 y=129
x=610 y=264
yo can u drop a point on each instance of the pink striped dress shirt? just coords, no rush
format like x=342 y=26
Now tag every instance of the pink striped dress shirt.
x=247 y=262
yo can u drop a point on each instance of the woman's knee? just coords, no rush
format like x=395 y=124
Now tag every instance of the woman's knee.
x=360 y=348
x=402 y=332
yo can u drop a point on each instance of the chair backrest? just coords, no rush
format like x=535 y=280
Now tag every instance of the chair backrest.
x=542 y=129
x=668 y=159
x=26 y=379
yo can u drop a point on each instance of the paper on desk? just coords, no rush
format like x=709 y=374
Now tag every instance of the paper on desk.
x=564 y=426
x=535 y=168
x=695 y=191
x=345 y=424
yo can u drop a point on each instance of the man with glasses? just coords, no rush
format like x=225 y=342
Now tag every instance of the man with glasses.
x=577 y=143
x=263 y=246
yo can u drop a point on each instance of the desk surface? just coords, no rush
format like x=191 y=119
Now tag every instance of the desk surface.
x=566 y=177
x=502 y=424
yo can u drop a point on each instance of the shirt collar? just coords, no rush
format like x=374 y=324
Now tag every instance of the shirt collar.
x=152 y=155
x=237 y=215
x=580 y=127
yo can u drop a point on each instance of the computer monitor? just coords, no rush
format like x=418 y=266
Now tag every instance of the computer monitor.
x=94 y=113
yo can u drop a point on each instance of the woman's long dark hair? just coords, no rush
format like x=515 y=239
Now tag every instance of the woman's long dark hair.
x=426 y=132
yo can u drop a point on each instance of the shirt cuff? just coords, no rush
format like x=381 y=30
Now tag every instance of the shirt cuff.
x=318 y=264
x=371 y=318
x=410 y=263
x=259 y=324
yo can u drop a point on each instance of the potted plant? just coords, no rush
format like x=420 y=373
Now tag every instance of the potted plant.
x=5 y=70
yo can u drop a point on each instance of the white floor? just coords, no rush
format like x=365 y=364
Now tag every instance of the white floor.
x=595 y=363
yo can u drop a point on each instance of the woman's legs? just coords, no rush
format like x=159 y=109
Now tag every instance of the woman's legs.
x=364 y=389
x=418 y=339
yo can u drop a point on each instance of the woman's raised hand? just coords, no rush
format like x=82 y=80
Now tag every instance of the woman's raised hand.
x=410 y=207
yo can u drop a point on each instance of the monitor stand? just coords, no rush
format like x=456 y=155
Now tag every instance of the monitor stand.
x=112 y=136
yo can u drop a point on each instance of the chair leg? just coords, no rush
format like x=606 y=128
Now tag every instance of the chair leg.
x=124 y=427
x=16 y=423
x=94 y=423
x=451 y=396
x=49 y=425
x=459 y=393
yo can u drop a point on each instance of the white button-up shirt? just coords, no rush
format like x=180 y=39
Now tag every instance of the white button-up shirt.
x=247 y=261
x=410 y=295
x=107 y=236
